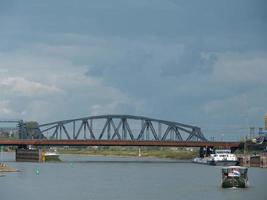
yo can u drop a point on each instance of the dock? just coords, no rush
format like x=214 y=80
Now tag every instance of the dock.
x=259 y=160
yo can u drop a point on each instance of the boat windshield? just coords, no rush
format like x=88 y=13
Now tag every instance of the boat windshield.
x=232 y=171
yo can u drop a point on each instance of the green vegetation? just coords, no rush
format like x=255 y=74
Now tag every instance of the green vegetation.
x=32 y=129
x=172 y=153
x=31 y=125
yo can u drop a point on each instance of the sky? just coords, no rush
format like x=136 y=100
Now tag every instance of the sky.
x=197 y=62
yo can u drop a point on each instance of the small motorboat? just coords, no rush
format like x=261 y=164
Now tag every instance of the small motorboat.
x=234 y=177
x=50 y=155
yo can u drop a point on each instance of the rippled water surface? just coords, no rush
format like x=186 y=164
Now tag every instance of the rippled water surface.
x=102 y=178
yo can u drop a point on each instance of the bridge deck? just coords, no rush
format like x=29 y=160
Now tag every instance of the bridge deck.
x=225 y=144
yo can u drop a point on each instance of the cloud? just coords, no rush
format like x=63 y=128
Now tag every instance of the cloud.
x=75 y=81
x=45 y=85
x=242 y=68
x=191 y=60
x=175 y=60
x=4 y=108
x=26 y=87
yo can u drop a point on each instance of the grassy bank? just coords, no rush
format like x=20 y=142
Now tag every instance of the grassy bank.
x=132 y=152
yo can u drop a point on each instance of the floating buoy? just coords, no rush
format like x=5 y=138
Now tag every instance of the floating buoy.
x=37 y=171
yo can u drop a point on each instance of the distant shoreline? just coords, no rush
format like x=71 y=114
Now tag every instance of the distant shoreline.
x=166 y=153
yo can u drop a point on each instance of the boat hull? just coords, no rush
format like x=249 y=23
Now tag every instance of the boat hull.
x=200 y=161
x=51 y=158
x=223 y=163
x=234 y=182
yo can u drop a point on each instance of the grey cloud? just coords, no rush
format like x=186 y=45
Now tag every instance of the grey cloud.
x=226 y=25
x=192 y=60
x=156 y=58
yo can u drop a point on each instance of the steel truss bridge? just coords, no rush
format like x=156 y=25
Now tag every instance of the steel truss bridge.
x=114 y=130
x=121 y=127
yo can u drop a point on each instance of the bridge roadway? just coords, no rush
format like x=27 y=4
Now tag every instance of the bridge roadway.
x=222 y=144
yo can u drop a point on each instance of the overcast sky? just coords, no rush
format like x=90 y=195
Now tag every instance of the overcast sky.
x=197 y=62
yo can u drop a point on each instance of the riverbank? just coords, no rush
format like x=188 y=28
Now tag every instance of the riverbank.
x=181 y=154
x=256 y=160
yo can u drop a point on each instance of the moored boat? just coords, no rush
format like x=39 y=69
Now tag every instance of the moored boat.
x=50 y=155
x=223 y=157
x=5 y=168
x=234 y=177
x=204 y=160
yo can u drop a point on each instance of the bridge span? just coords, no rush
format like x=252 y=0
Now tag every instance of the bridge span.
x=225 y=144
x=111 y=127
x=109 y=130
x=120 y=127
x=113 y=130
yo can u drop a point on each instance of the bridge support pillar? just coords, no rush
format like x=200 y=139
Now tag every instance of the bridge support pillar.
x=28 y=155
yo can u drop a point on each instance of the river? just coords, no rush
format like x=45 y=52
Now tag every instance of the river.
x=103 y=178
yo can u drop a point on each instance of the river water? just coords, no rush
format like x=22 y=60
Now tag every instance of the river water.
x=104 y=178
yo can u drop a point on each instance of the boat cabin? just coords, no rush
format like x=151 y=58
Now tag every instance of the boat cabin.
x=234 y=171
x=234 y=176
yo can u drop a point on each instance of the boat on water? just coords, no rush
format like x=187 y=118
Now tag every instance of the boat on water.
x=234 y=177
x=5 y=168
x=50 y=155
x=204 y=160
x=222 y=157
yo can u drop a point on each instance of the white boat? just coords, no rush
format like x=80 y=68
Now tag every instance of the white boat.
x=50 y=155
x=204 y=160
x=222 y=157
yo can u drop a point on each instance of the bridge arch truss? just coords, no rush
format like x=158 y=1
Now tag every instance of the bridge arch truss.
x=121 y=127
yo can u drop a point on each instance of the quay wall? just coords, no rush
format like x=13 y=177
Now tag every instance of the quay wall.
x=253 y=160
